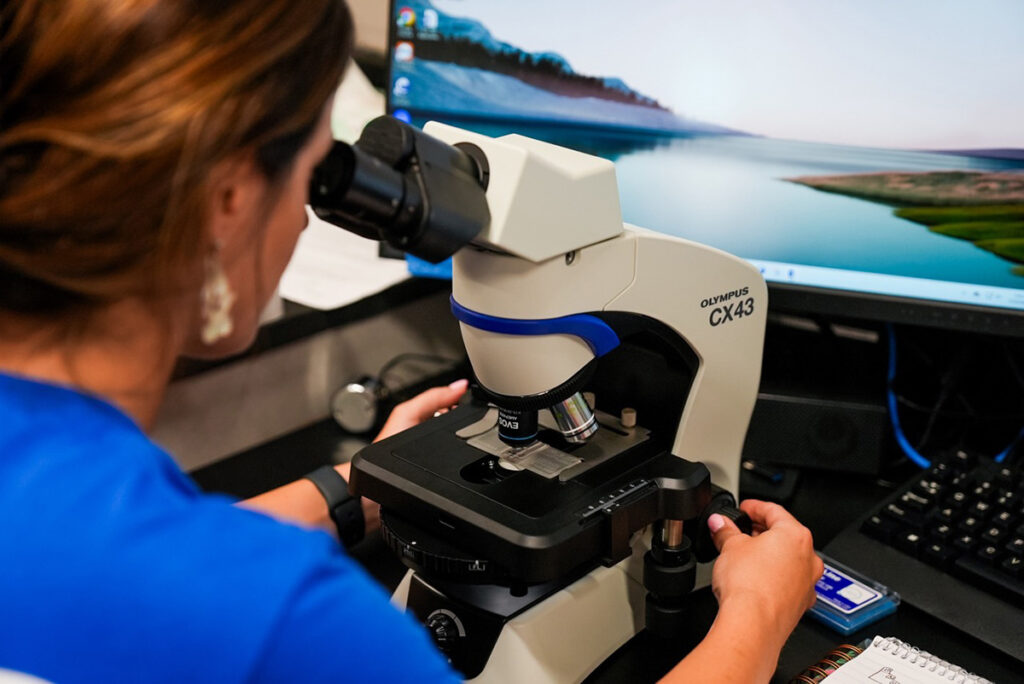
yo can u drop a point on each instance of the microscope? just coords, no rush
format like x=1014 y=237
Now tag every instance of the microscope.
x=564 y=509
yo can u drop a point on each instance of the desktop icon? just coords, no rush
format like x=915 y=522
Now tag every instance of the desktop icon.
x=406 y=17
x=401 y=87
x=430 y=19
x=403 y=52
x=402 y=115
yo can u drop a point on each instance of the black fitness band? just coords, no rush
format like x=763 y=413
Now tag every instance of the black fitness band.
x=346 y=510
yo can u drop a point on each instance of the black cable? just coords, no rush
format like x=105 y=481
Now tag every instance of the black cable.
x=953 y=413
x=1014 y=368
x=968 y=385
x=949 y=381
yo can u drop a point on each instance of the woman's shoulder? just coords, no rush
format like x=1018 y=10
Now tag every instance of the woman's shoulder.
x=37 y=412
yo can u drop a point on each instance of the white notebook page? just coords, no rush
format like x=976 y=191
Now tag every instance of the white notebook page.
x=891 y=661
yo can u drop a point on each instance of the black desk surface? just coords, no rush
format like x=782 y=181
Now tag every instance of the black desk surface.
x=645 y=658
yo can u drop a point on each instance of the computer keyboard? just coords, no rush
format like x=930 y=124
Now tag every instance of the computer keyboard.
x=951 y=542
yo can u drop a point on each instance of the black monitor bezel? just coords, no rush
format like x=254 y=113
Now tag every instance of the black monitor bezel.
x=814 y=300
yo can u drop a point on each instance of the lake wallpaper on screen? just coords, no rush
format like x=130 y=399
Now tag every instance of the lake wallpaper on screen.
x=865 y=136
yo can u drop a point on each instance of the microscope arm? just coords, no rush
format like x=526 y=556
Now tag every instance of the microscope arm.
x=712 y=300
x=718 y=304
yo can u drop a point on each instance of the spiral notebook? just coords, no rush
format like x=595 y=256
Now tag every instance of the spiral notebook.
x=891 y=661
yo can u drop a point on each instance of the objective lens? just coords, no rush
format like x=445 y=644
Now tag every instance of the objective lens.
x=517 y=428
x=575 y=419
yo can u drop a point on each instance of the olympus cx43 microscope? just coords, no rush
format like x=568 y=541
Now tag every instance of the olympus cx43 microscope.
x=565 y=509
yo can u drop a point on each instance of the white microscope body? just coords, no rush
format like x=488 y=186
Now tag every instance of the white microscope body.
x=556 y=246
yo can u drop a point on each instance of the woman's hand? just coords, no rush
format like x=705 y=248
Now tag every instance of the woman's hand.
x=300 y=502
x=764 y=582
x=421 y=407
x=404 y=416
x=772 y=571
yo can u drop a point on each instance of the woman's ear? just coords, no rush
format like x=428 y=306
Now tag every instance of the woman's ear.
x=237 y=191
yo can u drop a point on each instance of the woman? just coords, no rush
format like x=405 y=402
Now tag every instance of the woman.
x=154 y=159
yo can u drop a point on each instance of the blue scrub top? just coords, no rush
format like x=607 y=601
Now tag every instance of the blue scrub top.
x=114 y=567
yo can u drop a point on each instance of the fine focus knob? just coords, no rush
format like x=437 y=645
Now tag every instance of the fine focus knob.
x=741 y=519
x=724 y=504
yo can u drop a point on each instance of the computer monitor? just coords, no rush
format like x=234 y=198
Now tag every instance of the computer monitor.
x=867 y=157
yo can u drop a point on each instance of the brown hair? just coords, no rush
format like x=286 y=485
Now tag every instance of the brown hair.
x=113 y=115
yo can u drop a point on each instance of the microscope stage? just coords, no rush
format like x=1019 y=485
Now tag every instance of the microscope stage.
x=524 y=526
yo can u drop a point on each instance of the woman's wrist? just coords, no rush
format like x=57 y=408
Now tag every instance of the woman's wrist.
x=742 y=641
x=759 y=619
x=371 y=509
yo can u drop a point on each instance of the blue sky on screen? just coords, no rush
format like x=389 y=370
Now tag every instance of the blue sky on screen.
x=925 y=74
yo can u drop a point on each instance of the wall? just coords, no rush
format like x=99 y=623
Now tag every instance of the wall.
x=231 y=408
x=371 y=18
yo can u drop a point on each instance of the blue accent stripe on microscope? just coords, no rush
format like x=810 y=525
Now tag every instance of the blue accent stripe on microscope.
x=591 y=329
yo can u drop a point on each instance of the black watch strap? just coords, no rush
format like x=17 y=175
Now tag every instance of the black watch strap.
x=346 y=510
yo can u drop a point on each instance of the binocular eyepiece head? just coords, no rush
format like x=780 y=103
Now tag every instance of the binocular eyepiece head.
x=398 y=185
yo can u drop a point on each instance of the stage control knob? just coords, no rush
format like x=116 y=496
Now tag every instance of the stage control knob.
x=433 y=556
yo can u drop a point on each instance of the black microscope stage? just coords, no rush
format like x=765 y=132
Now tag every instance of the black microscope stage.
x=451 y=510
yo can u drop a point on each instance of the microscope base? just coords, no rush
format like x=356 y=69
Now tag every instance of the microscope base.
x=561 y=638
x=566 y=636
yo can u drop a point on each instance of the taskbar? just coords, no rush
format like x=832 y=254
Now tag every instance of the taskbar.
x=892 y=285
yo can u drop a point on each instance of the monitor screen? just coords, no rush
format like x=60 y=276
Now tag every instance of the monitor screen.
x=867 y=157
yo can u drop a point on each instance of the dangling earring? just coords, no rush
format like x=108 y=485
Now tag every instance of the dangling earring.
x=216 y=299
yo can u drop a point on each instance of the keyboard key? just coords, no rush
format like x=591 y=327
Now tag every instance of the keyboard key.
x=965 y=542
x=979 y=509
x=995 y=535
x=975 y=571
x=1004 y=519
x=958 y=499
x=942 y=532
x=944 y=515
x=963 y=461
x=941 y=472
x=1013 y=566
x=908 y=542
x=882 y=529
x=1016 y=546
x=907 y=516
x=939 y=555
x=989 y=554
x=1007 y=477
x=914 y=501
x=970 y=524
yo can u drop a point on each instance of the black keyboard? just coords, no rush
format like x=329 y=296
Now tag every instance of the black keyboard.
x=951 y=542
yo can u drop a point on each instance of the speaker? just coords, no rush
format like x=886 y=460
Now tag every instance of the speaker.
x=815 y=432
